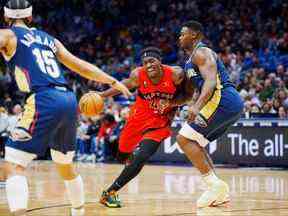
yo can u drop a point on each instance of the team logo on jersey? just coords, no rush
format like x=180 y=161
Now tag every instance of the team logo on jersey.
x=191 y=72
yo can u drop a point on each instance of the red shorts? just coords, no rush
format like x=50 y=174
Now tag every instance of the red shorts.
x=136 y=130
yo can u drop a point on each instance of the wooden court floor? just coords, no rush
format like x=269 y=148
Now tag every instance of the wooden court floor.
x=158 y=190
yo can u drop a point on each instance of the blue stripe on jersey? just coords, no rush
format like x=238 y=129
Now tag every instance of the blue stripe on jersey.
x=35 y=64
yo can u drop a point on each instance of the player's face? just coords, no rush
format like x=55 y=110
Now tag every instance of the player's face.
x=186 y=38
x=152 y=66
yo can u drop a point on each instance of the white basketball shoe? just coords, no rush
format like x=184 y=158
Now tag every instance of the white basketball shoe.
x=217 y=194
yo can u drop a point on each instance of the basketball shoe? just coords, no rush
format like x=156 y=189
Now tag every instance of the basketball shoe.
x=110 y=199
x=217 y=194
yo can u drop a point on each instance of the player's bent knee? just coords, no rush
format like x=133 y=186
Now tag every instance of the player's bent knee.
x=18 y=158
x=64 y=164
x=66 y=171
x=11 y=169
x=191 y=134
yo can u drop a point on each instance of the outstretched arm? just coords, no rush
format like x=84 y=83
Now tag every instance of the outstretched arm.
x=86 y=69
x=130 y=83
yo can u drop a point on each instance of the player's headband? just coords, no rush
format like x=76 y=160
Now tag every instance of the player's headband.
x=151 y=53
x=18 y=13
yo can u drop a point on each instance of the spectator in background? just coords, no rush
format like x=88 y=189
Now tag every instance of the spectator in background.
x=81 y=150
x=87 y=132
x=281 y=95
x=92 y=131
x=282 y=113
x=105 y=140
x=267 y=91
x=255 y=110
x=3 y=130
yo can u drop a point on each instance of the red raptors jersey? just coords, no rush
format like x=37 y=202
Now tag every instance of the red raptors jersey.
x=147 y=120
x=150 y=95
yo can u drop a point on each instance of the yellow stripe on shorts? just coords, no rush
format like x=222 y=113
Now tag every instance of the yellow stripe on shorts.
x=28 y=117
x=210 y=108
x=21 y=80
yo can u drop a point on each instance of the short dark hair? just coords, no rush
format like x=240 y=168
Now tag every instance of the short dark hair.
x=152 y=52
x=194 y=26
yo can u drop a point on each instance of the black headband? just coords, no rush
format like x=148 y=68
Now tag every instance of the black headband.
x=151 y=53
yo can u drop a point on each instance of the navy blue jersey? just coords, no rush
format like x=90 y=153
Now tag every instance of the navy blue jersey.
x=34 y=63
x=194 y=75
x=225 y=97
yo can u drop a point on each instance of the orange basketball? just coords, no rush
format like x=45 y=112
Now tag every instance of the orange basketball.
x=91 y=104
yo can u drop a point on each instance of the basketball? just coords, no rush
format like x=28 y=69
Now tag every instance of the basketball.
x=91 y=104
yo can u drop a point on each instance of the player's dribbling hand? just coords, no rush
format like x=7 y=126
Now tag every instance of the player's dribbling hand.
x=125 y=91
x=192 y=113
x=163 y=105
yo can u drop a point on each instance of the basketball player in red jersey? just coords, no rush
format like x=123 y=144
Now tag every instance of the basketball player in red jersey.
x=149 y=120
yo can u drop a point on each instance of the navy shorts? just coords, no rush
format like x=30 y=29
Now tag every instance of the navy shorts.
x=222 y=110
x=50 y=117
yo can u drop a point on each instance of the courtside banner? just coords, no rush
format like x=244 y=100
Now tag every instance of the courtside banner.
x=240 y=145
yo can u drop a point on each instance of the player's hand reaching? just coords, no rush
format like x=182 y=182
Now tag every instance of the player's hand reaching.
x=192 y=113
x=121 y=87
x=163 y=105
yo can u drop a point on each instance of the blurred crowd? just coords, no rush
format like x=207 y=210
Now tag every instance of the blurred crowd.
x=251 y=37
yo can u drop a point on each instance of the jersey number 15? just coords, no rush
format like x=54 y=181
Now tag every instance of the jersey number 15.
x=47 y=63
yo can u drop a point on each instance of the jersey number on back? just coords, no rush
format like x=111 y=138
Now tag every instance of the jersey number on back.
x=47 y=62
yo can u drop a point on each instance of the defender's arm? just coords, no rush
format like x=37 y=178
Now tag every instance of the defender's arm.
x=86 y=69
x=130 y=83
x=185 y=88
x=206 y=63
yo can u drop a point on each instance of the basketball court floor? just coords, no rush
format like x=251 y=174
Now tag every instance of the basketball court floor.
x=158 y=190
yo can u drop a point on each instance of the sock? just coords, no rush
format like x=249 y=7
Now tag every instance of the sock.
x=114 y=187
x=75 y=191
x=77 y=212
x=210 y=178
x=17 y=192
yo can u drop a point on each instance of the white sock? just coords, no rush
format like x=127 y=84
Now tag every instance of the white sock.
x=210 y=178
x=77 y=212
x=75 y=190
x=17 y=192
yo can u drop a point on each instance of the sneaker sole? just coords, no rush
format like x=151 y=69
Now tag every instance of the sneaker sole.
x=219 y=204
x=103 y=202
x=216 y=203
